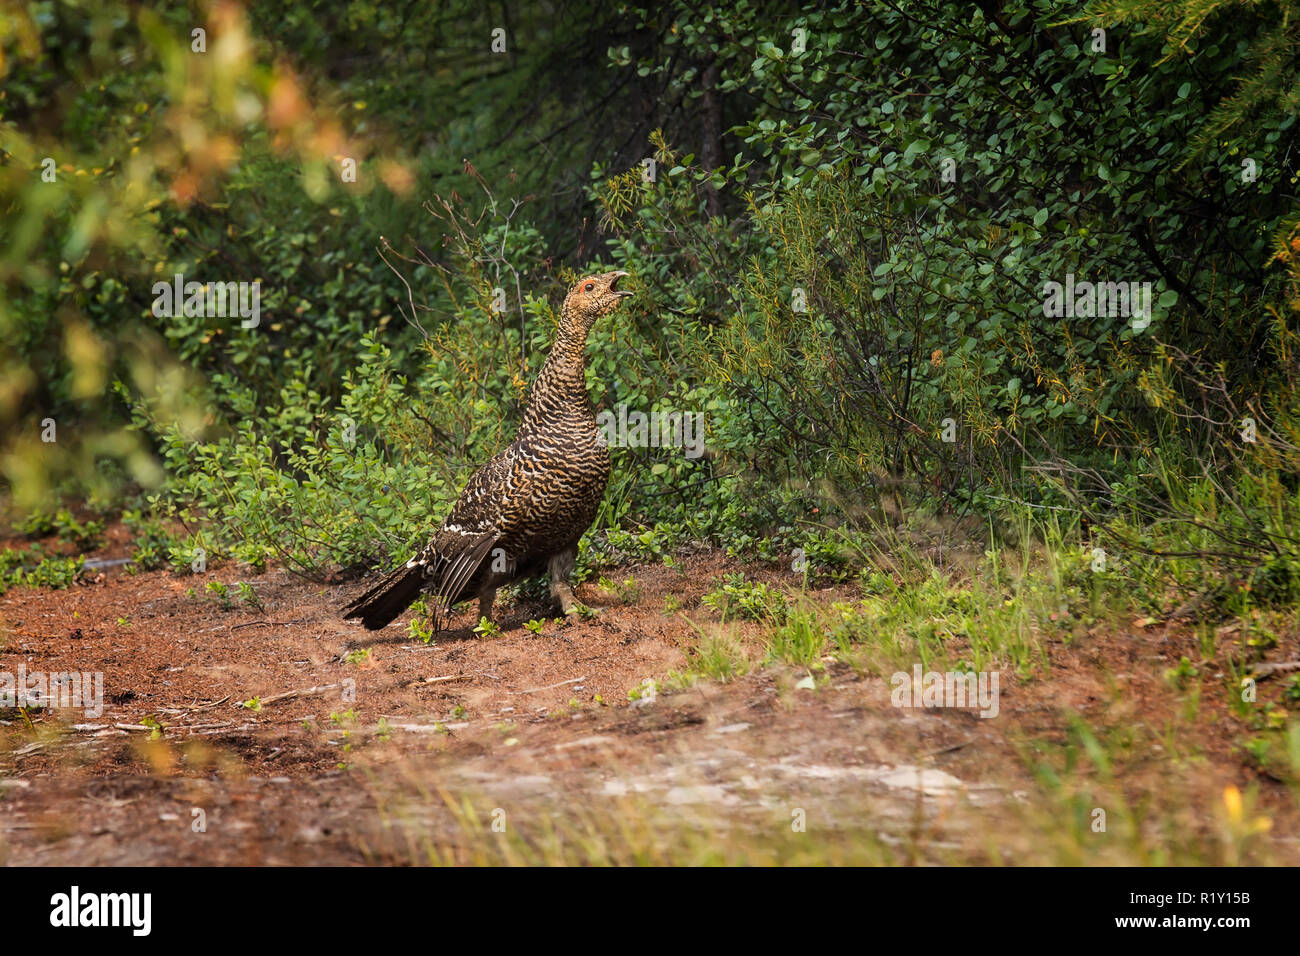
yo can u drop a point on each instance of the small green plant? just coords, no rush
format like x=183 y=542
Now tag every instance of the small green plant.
x=37 y=524
x=1259 y=632
x=1275 y=718
x=800 y=640
x=222 y=593
x=826 y=554
x=180 y=559
x=486 y=628
x=247 y=595
x=1291 y=690
x=628 y=592
x=680 y=680
x=752 y=600
x=34 y=568
x=873 y=582
x=252 y=555
x=534 y=626
x=345 y=721
x=420 y=627
x=1259 y=749
x=651 y=544
x=56 y=572
x=672 y=604
x=153 y=542
x=718 y=657
x=647 y=690
x=40 y=524
x=358 y=657
x=1181 y=675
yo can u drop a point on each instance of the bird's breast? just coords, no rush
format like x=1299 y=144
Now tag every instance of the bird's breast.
x=555 y=486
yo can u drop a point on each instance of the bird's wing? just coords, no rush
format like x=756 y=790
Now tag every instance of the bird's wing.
x=468 y=535
x=478 y=508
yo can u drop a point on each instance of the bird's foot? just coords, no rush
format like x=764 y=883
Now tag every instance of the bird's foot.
x=485 y=601
x=577 y=610
x=564 y=598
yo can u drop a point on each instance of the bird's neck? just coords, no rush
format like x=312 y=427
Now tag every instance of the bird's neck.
x=561 y=386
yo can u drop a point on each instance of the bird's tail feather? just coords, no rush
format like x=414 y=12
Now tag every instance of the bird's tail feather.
x=396 y=592
x=456 y=574
x=389 y=598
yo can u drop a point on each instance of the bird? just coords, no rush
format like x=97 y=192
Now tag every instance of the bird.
x=523 y=511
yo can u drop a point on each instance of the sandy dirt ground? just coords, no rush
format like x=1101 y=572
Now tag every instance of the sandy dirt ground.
x=278 y=734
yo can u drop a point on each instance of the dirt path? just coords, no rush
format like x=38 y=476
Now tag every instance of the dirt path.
x=525 y=747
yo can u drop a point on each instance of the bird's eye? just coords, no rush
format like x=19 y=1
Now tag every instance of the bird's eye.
x=588 y=287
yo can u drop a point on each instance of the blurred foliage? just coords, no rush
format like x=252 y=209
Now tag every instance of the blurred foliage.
x=839 y=219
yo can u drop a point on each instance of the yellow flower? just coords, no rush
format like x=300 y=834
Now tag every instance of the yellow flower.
x=1232 y=803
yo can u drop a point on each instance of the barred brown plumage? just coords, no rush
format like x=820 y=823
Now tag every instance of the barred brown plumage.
x=523 y=512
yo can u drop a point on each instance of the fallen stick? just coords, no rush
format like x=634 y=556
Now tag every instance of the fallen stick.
x=216 y=703
x=947 y=750
x=1268 y=670
x=235 y=627
x=287 y=695
x=534 y=690
x=438 y=727
x=222 y=730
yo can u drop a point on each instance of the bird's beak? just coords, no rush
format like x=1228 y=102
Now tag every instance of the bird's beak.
x=613 y=281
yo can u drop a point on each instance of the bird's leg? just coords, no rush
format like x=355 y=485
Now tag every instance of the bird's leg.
x=560 y=567
x=485 y=599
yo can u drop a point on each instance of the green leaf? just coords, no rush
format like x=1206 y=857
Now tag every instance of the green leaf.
x=915 y=147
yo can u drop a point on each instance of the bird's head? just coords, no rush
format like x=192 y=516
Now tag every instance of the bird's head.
x=593 y=297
